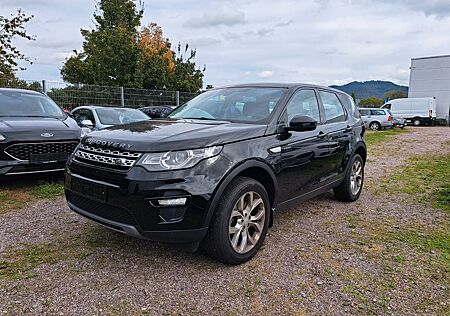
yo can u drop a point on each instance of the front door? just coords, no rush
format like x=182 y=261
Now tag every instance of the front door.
x=304 y=155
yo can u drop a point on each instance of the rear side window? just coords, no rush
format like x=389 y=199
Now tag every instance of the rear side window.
x=334 y=112
x=349 y=104
x=387 y=106
x=378 y=112
x=364 y=112
x=304 y=103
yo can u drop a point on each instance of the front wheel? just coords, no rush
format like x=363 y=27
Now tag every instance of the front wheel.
x=350 y=189
x=240 y=222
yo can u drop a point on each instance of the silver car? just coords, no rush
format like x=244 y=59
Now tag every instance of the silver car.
x=91 y=117
x=376 y=119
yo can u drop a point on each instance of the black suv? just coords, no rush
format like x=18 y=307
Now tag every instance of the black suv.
x=35 y=133
x=216 y=169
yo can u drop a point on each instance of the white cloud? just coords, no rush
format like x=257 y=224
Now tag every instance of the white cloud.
x=265 y=74
x=227 y=16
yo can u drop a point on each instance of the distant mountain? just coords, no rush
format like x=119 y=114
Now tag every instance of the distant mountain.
x=372 y=88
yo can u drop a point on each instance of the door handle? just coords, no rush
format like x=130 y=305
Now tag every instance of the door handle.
x=322 y=135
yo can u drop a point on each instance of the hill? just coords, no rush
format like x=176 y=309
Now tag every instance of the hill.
x=368 y=89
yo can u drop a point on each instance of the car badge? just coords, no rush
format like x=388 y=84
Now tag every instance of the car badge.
x=47 y=135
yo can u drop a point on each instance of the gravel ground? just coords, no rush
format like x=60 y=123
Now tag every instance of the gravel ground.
x=323 y=257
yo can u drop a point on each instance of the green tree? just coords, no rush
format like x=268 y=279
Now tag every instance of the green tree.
x=10 y=29
x=353 y=96
x=371 y=102
x=119 y=52
x=394 y=94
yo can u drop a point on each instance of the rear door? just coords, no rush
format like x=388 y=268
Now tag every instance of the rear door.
x=304 y=155
x=339 y=132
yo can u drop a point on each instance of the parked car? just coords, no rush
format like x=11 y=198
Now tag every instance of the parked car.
x=35 y=133
x=157 y=111
x=398 y=122
x=216 y=170
x=91 y=117
x=417 y=111
x=376 y=119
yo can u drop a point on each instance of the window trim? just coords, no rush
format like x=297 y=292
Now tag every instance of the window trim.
x=322 y=108
x=280 y=118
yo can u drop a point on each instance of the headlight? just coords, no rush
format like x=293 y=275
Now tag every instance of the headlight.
x=173 y=160
x=2 y=138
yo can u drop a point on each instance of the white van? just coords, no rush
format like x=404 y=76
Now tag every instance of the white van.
x=417 y=111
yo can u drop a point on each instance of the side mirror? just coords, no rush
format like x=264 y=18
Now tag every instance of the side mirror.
x=300 y=123
x=87 y=123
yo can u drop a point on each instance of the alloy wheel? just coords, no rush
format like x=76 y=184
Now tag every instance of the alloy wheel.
x=356 y=177
x=247 y=222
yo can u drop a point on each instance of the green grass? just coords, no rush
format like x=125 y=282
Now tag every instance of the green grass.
x=48 y=190
x=373 y=138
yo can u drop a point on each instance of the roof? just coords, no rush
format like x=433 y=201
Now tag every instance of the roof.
x=20 y=90
x=430 y=57
x=282 y=85
x=103 y=107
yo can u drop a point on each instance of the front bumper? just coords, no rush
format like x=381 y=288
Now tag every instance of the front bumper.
x=129 y=199
x=16 y=167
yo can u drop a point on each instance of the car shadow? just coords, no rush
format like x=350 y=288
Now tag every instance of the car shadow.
x=30 y=180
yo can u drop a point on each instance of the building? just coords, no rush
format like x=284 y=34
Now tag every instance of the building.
x=430 y=77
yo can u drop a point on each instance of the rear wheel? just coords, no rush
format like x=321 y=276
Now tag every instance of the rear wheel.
x=375 y=126
x=350 y=189
x=240 y=223
x=417 y=122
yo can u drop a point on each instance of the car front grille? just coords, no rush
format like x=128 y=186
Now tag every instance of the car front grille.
x=105 y=157
x=102 y=210
x=22 y=151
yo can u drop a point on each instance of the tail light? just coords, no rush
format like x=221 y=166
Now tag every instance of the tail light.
x=389 y=118
x=430 y=113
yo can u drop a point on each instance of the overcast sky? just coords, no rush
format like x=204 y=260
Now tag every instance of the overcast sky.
x=318 y=41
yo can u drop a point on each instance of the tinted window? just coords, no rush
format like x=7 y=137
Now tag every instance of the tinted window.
x=334 y=112
x=303 y=102
x=364 y=112
x=246 y=105
x=114 y=116
x=349 y=104
x=83 y=114
x=387 y=106
x=378 y=112
x=16 y=103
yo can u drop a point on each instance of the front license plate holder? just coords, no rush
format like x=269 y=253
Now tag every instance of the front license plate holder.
x=89 y=189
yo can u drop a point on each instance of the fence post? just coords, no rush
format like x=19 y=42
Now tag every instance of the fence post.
x=44 y=86
x=122 y=98
x=177 y=94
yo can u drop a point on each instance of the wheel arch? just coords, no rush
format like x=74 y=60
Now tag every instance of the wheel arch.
x=253 y=169
x=361 y=150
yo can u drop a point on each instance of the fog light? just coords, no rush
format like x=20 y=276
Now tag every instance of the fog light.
x=172 y=202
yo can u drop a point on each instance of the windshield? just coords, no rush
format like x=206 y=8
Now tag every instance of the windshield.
x=22 y=104
x=245 y=105
x=120 y=116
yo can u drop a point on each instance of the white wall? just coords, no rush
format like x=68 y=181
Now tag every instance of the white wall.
x=430 y=77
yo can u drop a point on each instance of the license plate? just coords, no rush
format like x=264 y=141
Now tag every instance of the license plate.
x=89 y=189
x=47 y=158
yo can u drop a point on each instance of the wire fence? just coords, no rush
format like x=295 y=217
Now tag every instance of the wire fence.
x=70 y=96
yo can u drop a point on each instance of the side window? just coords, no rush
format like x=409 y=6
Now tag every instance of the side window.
x=349 y=105
x=378 y=112
x=334 y=112
x=303 y=102
x=364 y=112
x=83 y=114
x=387 y=106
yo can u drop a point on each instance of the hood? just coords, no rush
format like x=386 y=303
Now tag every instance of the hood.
x=31 y=128
x=169 y=135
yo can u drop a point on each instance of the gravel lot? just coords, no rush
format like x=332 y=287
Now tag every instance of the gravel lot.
x=323 y=257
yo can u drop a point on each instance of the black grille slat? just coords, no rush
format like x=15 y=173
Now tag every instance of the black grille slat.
x=22 y=151
x=102 y=210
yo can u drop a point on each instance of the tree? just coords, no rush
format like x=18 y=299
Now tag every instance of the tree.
x=353 y=96
x=395 y=94
x=371 y=102
x=119 y=52
x=10 y=29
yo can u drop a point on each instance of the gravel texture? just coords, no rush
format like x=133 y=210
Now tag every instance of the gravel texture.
x=322 y=257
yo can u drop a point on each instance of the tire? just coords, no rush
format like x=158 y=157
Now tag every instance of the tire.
x=417 y=122
x=344 y=192
x=375 y=126
x=219 y=239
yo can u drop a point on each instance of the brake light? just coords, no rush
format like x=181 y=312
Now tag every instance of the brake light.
x=389 y=118
x=430 y=113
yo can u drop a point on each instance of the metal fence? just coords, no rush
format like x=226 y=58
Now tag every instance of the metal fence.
x=69 y=96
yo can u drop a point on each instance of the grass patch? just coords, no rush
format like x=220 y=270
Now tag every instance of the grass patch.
x=17 y=197
x=377 y=137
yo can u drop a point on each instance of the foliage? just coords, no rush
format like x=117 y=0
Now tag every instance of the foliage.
x=395 y=94
x=10 y=29
x=364 y=90
x=371 y=102
x=119 y=52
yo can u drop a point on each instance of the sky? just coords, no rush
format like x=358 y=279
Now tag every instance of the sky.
x=315 y=41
